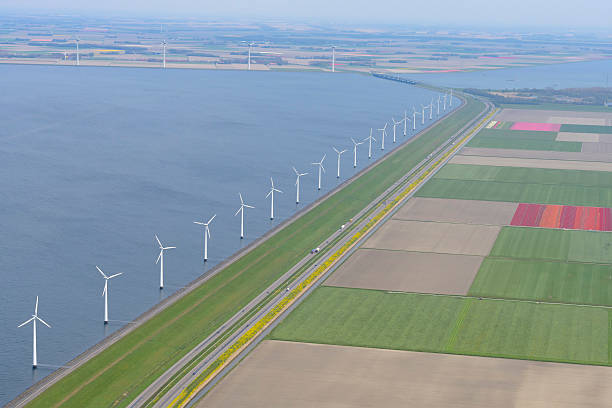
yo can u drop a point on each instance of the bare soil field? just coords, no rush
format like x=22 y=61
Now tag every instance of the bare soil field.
x=551 y=116
x=533 y=163
x=289 y=374
x=536 y=154
x=438 y=237
x=407 y=272
x=457 y=211
x=597 y=148
x=578 y=137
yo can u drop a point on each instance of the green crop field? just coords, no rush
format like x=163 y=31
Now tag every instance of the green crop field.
x=122 y=371
x=522 y=139
x=518 y=184
x=558 y=107
x=554 y=244
x=586 y=129
x=550 y=281
x=501 y=328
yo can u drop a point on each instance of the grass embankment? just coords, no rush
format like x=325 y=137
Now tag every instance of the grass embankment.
x=121 y=372
x=370 y=318
x=522 y=139
x=558 y=107
x=518 y=184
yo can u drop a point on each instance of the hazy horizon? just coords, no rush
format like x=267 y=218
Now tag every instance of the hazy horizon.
x=544 y=14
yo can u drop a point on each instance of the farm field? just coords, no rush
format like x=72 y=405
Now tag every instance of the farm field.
x=537 y=154
x=526 y=185
x=550 y=281
x=123 y=370
x=576 y=128
x=404 y=271
x=522 y=139
x=317 y=375
x=438 y=323
x=531 y=163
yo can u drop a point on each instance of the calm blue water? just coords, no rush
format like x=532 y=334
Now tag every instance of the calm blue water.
x=571 y=75
x=95 y=161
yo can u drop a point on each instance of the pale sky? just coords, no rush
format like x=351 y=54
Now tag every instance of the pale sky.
x=596 y=14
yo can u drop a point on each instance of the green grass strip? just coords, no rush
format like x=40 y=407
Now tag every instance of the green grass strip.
x=522 y=139
x=558 y=107
x=550 y=281
x=122 y=371
x=586 y=129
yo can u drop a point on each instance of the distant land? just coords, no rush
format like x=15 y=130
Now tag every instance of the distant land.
x=281 y=46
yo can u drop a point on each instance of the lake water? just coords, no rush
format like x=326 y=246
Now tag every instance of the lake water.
x=95 y=161
x=570 y=75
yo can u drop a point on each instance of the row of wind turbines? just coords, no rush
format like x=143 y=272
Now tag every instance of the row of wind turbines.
x=442 y=99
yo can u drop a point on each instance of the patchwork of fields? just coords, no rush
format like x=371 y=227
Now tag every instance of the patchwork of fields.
x=505 y=255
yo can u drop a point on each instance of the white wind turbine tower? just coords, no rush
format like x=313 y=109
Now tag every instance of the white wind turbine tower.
x=320 y=164
x=164 y=51
x=394 y=126
x=423 y=107
x=450 y=100
x=250 y=46
x=271 y=195
x=33 y=319
x=431 y=109
x=78 y=58
x=241 y=211
x=206 y=234
x=297 y=184
x=105 y=291
x=355 y=144
x=369 y=139
x=406 y=120
x=444 y=100
x=384 y=132
x=414 y=115
x=339 y=153
x=438 y=105
x=160 y=260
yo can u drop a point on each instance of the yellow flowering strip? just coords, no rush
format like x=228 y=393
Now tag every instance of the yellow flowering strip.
x=185 y=396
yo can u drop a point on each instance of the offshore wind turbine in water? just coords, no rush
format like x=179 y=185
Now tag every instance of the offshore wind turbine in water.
x=241 y=211
x=320 y=165
x=34 y=319
x=271 y=195
x=206 y=234
x=160 y=260
x=355 y=144
x=297 y=185
x=339 y=153
x=370 y=139
x=105 y=291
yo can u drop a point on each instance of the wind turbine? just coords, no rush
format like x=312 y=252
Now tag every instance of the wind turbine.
x=105 y=291
x=431 y=109
x=423 y=107
x=271 y=194
x=78 y=60
x=333 y=58
x=450 y=101
x=438 y=105
x=241 y=211
x=444 y=97
x=355 y=144
x=394 y=126
x=414 y=115
x=369 y=138
x=33 y=319
x=206 y=234
x=384 y=132
x=160 y=260
x=339 y=153
x=297 y=183
x=250 y=46
x=320 y=164
x=164 y=48
x=406 y=120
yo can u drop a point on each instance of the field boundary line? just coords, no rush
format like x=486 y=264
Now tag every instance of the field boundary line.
x=185 y=396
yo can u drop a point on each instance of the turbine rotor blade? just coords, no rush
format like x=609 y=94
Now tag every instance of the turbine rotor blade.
x=27 y=321
x=100 y=270
x=159 y=256
x=43 y=322
x=158 y=241
x=105 y=286
x=36 y=307
x=211 y=218
x=169 y=248
x=240 y=209
x=199 y=223
x=208 y=232
x=117 y=274
x=248 y=206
